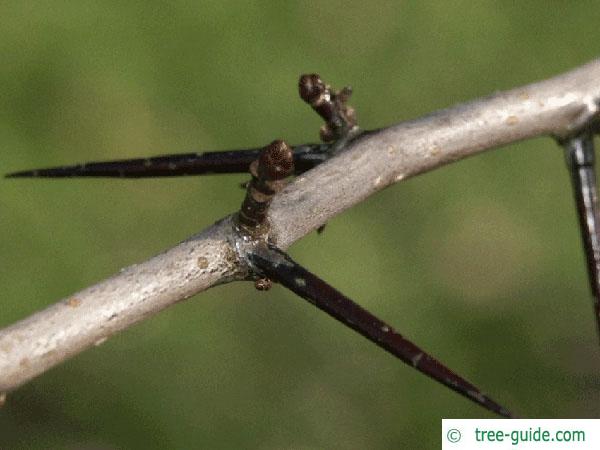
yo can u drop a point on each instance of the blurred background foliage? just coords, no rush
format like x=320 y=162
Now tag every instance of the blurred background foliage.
x=479 y=262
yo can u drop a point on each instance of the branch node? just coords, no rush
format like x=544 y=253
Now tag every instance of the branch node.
x=269 y=171
x=587 y=120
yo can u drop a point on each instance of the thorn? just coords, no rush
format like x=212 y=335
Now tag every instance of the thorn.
x=277 y=265
x=23 y=174
x=579 y=154
x=306 y=156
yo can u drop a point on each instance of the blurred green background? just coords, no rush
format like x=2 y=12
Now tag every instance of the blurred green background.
x=479 y=262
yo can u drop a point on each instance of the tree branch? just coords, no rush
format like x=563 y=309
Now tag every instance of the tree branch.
x=555 y=107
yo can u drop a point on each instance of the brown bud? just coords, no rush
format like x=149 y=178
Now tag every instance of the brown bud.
x=311 y=87
x=263 y=284
x=340 y=119
x=276 y=161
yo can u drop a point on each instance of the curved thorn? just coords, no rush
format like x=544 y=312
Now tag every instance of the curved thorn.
x=278 y=266
x=579 y=155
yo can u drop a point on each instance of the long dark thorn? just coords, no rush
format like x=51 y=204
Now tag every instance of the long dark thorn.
x=278 y=266
x=306 y=157
x=579 y=154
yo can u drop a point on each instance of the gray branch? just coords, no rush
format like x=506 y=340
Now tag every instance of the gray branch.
x=554 y=107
